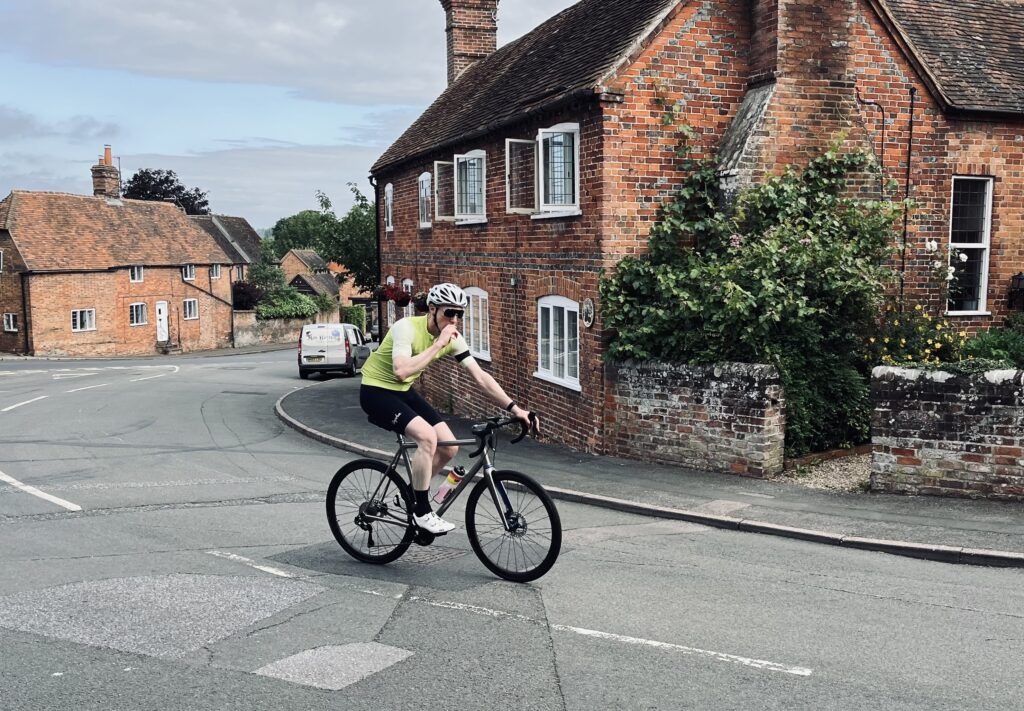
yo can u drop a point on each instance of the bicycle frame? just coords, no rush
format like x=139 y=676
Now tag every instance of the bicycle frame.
x=484 y=461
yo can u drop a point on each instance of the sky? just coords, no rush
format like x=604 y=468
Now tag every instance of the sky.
x=260 y=103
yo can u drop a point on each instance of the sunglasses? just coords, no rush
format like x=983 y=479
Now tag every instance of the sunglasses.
x=453 y=313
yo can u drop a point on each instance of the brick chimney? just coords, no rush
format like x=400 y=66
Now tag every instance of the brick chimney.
x=472 y=27
x=106 y=179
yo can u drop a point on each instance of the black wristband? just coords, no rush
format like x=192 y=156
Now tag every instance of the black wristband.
x=510 y=406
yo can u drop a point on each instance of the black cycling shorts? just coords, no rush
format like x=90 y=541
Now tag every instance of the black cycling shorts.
x=394 y=409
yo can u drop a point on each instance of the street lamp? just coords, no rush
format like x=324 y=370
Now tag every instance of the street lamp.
x=1017 y=289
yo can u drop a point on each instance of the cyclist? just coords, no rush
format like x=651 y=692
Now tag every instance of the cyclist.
x=386 y=394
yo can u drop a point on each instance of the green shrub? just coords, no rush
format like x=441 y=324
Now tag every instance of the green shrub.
x=285 y=302
x=355 y=315
x=794 y=276
x=916 y=336
x=1015 y=321
x=998 y=344
x=325 y=303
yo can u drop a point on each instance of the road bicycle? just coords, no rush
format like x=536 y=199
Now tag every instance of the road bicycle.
x=511 y=522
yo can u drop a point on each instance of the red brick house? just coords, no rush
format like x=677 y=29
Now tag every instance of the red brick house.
x=102 y=276
x=544 y=161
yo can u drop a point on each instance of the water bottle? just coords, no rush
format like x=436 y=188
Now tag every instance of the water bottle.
x=453 y=479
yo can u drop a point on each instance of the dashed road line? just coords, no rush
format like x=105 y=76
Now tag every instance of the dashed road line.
x=87 y=387
x=41 y=494
x=251 y=563
x=26 y=402
x=150 y=377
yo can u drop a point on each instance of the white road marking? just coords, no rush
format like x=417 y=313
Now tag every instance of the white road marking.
x=8 y=409
x=150 y=377
x=756 y=496
x=251 y=563
x=65 y=376
x=719 y=656
x=87 y=387
x=36 y=492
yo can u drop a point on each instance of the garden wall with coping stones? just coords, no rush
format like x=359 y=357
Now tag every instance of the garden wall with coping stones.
x=250 y=332
x=728 y=417
x=943 y=434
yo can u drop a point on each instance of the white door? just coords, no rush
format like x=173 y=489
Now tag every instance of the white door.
x=161 y=321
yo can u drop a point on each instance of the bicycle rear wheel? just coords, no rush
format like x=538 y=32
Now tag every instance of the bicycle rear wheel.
x=369 y=511
x=531 y=546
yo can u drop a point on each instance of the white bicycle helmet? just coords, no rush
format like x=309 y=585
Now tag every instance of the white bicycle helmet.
x=447 y=294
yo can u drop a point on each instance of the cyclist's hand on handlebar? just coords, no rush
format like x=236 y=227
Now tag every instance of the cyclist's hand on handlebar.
x=529 y=419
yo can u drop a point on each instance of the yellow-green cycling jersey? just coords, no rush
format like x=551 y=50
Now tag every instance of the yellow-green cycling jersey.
x=407 y=337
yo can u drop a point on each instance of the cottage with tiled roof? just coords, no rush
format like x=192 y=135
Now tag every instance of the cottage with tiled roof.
x=302 y=261
x=101 y=276
x=236 y=238
x=320 y=284
x=544 y=161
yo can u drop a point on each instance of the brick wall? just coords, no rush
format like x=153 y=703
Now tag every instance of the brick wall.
x=11 y=296
x=292 y=266
x=52 y=297
x=250 y=332
x=948 y=435
x=728 y=417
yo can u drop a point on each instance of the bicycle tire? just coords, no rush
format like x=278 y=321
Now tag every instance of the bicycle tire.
x=369 y=541
x=511 y=555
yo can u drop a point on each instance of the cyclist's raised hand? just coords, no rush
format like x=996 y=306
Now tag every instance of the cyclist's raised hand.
x=530 y=419
x=448 y=334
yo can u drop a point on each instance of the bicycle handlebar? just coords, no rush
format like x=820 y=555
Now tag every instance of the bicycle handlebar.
x=483 y=431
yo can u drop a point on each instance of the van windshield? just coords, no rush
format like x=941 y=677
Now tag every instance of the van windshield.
x=325 y=336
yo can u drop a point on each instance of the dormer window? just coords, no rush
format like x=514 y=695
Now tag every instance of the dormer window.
x=188 y=272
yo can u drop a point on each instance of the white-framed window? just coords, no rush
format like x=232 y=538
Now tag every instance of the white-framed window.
x=137 y=314
x=471 y=187
x=215 y=271
x=426 y=210
x=389 y=208
x=10 y=322
x=391 y=305
x=477 y=325
x=558 y=170
x=409 y=309
x=188 y=272
x=558 y=338
x=520 y=176
x=444 y=191
x=970 y=224
x=83 y=320
x=136 y=274
x=190 y=312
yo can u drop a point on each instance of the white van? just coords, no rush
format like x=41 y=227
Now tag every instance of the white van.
x=332 y=347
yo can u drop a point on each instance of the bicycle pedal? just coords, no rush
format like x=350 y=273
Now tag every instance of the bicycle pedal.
x=423 y=538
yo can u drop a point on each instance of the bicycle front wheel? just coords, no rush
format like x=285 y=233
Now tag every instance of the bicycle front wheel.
x=530 y=544
x=369 y=511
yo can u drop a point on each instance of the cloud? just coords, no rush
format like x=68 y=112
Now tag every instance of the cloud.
x=16 y=124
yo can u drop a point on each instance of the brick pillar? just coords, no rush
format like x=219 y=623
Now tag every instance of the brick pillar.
x=814 y=38
x=106 y=179
x=472 y=27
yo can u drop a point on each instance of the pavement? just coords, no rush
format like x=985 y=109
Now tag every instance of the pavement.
x=965 y=531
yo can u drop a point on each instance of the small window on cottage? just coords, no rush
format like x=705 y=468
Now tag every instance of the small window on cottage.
x=558 y=357
x=137 y=314
x=191 y=309
x=426 y=211
x=969 y=238
x=389 y=208
x=391 y=305
x=559 y=148
x=135 y=274
x=520 y=176
x=470 y=187
x=477 y=326
x=10 y=322
x=83 y=320
x=444 y=191
x=215 y=271
x=188 y=272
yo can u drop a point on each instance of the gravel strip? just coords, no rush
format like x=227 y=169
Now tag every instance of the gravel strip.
x=841 y=474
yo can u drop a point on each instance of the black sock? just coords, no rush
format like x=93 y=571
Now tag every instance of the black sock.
x=422 y=507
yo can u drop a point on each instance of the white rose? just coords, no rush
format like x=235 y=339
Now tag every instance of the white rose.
x=963 y=257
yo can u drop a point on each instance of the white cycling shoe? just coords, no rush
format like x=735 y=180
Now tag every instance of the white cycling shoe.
x=432 y=523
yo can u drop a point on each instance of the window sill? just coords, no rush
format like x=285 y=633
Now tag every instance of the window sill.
x=552 y=215
x=568 y=384
x=968 y=313
x=480 y=356
x=471 y=221
x=426 y=225
x=136 y=325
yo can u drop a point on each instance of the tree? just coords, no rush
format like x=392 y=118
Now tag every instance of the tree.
x=352 y=240
x=266 y=274
x=163 y=185
x=303 y=230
